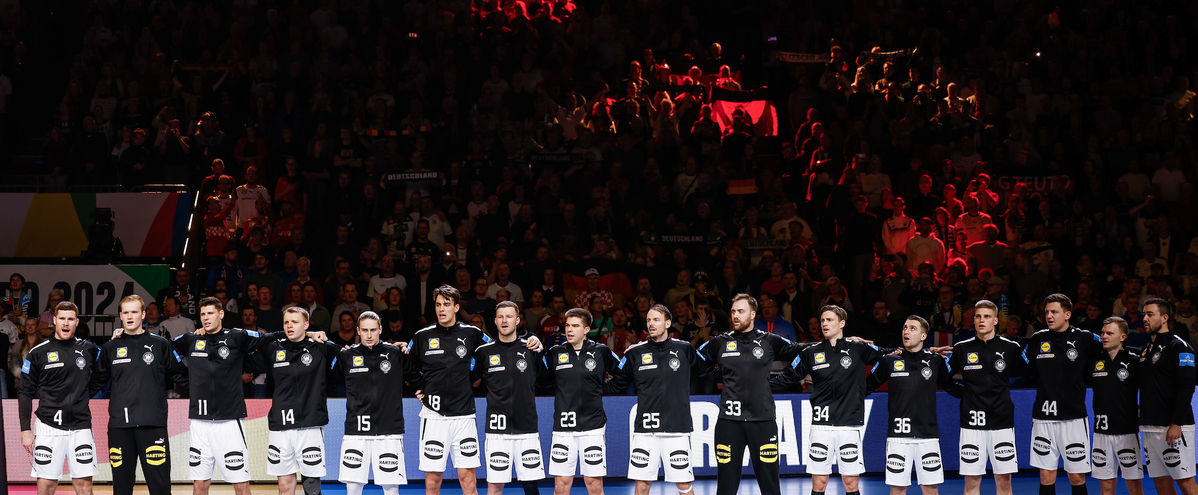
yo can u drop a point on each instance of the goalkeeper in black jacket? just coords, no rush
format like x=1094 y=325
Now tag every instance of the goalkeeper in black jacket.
x=138 y=364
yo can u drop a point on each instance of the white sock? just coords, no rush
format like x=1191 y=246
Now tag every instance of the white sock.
x=688 y=492
x=390 y=489
x=354 y=488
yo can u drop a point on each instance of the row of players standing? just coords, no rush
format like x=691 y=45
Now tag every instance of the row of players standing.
x=1061 y=358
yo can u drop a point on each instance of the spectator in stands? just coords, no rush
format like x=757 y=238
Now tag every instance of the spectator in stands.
x=972 y=222
x=153 y=320
x=583 y=299
x=175 y=324
x=16 y=355
x=897 y=230
x=16 y=297
x=267 y=316
x=501 y=280
x=349 y=300
x=229 y=272
x=318 y=316
x=347 y=330
x=682 y=288
x=380 y=283
x=480 y=301
x=260 y=274
x=52 y=300
x=771 y=321
x=925 y=247
x=253 y=200
x=10 y=328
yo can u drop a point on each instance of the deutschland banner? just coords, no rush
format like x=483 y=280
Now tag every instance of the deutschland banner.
x=754 y=103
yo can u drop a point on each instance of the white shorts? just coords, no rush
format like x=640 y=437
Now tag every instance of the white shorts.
x=1115 y=454
x=384 y=452
x=1175 y=461
x=978 y=445
x=51 y=446
x=904 y=454
x=671 y=451
x=840 y=445
x=225 y=440
x=502 y=452
x=563 y=457
x=1068 y=440
x=441 y=436
x=296 y=451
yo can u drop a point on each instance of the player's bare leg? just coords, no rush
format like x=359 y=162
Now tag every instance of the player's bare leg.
x=973 y=485
x=562 y=484
x=287 y=485
x=432 y=483
x=595 y=485
x=819 y=483
x=1003 y=484
x=469 y=481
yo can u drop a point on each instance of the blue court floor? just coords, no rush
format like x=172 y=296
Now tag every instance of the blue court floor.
x=869 y=485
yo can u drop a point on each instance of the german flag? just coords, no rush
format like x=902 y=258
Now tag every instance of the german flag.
x=742 y=186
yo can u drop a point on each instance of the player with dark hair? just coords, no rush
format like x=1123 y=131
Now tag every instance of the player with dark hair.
x=58 y=372
x=744 y=356
x=578 y=369
x=662 y=368
x=1115 y=378
x=215 y=358
x=1058 y=359
x=443 y=352
x=1166 y=390
x=139 y=365
x=913 y=440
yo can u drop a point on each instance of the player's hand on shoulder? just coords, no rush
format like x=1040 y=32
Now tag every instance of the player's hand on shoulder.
x=116 y=334
x=534 y=344
x=403 y=346
x=319 y=336
x=942 y=351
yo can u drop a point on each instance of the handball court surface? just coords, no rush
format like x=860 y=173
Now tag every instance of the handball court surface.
x=1024 y=483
